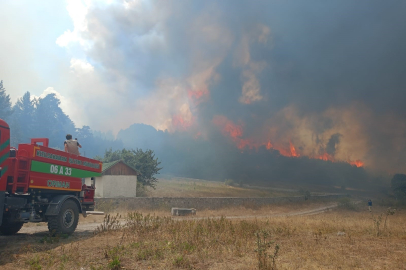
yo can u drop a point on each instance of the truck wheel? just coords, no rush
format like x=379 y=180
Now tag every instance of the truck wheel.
x=7 y=228
x=66 y=221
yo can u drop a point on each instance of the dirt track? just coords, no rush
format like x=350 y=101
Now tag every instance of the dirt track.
x=308 y=212
x=85 y=228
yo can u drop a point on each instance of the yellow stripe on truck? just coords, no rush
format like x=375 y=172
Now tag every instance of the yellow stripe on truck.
x=45 y=187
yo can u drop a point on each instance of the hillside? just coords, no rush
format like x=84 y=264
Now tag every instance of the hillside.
x=189 y=187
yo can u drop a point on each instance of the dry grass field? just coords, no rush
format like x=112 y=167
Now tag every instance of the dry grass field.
x=187 y=187
x=338 y=239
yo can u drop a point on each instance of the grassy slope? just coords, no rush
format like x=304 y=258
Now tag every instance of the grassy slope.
x=187 y=187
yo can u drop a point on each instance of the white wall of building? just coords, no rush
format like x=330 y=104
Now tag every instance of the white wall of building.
x=115 y=186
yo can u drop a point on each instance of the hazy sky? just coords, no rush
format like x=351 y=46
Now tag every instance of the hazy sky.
x=30 y=58
x=301 y=71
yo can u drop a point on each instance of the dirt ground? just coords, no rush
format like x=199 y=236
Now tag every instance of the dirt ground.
x=313 y=235
x=90 y=223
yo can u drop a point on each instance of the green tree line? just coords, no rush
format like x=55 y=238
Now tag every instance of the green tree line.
x=42 y=117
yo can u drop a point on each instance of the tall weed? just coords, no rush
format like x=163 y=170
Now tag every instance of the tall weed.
x=266 y=261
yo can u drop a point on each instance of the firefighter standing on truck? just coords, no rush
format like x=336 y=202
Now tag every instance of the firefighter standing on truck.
x=72 y=146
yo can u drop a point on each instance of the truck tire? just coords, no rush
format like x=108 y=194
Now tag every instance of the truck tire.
x=66 y=221
x=7 y=228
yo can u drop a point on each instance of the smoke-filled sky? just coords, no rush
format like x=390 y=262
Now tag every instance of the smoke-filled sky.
x=324 y=79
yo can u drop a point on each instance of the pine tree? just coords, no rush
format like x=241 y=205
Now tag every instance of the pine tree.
x=51 y=122
x=5 y=103
x=23 y=119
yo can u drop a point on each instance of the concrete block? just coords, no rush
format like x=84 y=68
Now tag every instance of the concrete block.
x=183 y=211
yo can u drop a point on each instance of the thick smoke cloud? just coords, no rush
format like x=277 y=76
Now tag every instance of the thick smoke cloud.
x=324 y=77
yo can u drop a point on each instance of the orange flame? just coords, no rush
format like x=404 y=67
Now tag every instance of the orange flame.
x=227 y=126
x=180 y=123
x=325 y=157
x=283 y=152
x=293 y=150
x=357 y=163
x=198 y=96
x=233 y=130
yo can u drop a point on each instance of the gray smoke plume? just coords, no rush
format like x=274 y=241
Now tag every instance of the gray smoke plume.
x=289 y=76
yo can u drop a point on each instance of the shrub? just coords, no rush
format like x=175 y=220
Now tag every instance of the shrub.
x=346 y=203
x=378 y=220
x=229 y=182
x=34 y=263
x=181 y=261
x=265 y=261
x=142 y=191
x=115 y=263
x=110 y=223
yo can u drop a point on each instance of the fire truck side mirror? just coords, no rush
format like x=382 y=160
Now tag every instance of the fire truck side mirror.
x=93 y=181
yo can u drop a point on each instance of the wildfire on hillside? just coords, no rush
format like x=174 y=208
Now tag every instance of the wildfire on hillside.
x=236 y=132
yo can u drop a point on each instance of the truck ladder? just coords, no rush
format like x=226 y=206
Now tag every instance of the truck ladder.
x=21 y=171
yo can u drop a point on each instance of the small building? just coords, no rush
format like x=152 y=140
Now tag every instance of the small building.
x=118 y=179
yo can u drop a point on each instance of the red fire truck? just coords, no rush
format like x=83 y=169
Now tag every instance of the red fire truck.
x=41 y=184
